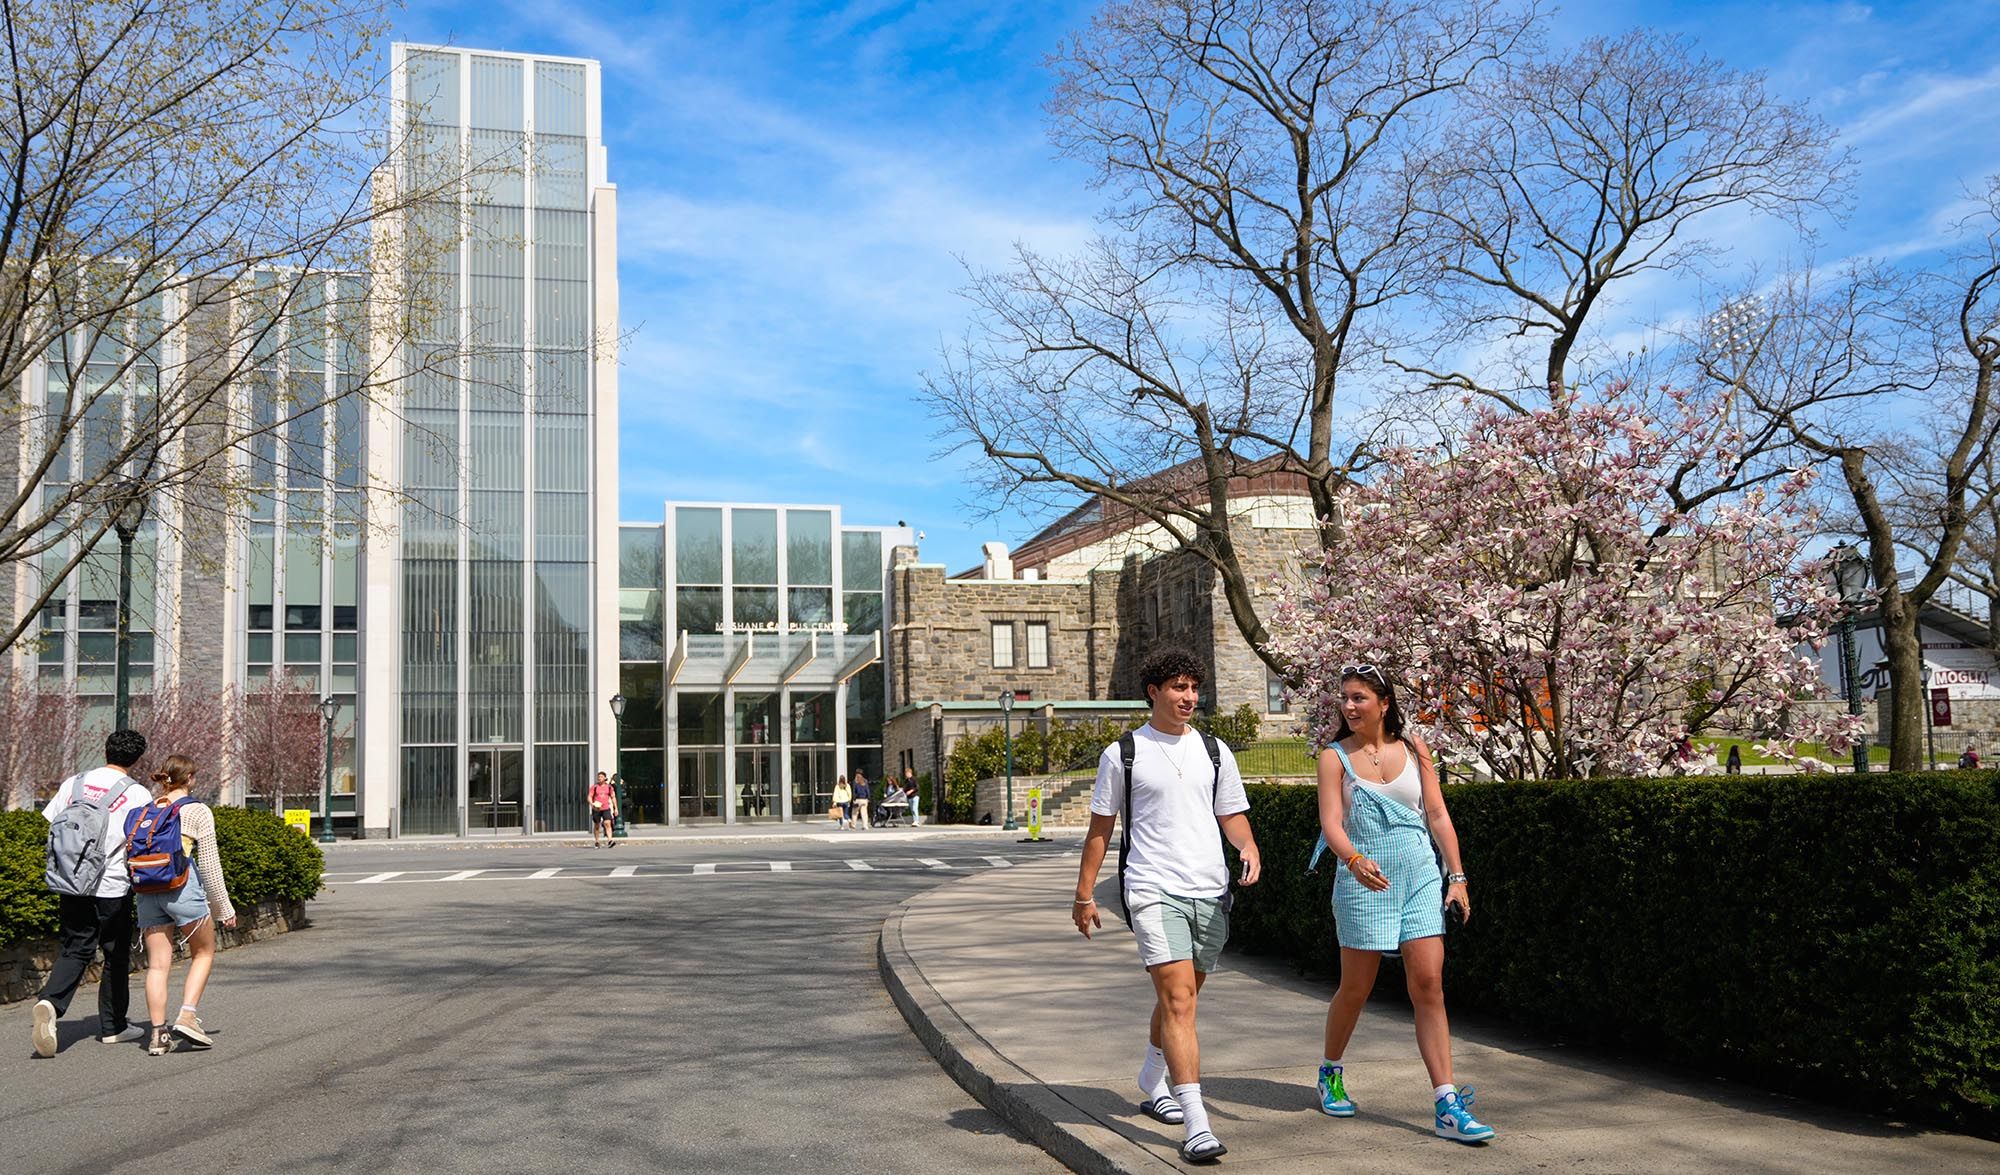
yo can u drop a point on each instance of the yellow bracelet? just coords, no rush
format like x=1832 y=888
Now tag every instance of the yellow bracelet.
x=1353 y=859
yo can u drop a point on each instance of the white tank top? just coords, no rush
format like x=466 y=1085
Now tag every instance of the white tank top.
x=1406 y=789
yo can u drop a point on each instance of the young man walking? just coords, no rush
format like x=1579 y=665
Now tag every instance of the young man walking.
x=101 y=917
x=1180 y=795
x=603 y=799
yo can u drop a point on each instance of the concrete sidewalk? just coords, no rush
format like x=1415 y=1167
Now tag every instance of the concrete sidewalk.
x=1047 y=1029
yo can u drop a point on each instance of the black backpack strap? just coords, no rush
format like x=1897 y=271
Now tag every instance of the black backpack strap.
x=1215 y=763
x=1128 y=750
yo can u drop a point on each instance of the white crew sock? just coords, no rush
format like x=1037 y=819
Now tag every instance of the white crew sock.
x=1331 y=1063
x=1189 y=1096
x=1442 y=1090
x=1153 y=1073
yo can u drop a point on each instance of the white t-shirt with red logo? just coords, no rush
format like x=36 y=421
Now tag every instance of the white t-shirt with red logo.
x=100 y=781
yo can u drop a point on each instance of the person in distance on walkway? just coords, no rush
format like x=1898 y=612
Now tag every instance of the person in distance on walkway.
x=843 y=799
x=1381 y=811
x=603 y=806
x=94 y=906
x=1180 y=795
x=190 y=911
x=863 y=797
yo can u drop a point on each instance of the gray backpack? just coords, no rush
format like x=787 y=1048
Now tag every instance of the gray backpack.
x=76 y=840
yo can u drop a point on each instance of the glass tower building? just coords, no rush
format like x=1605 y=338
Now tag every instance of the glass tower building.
x=490 y=587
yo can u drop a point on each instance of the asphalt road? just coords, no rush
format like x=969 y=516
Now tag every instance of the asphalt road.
x=624 y=1013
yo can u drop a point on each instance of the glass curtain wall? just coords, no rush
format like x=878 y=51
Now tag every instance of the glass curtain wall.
x=641 y=562
x=431 y=441
x=562 y=348
x=502 y=377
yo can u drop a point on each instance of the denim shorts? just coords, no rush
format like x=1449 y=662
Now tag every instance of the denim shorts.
x=176 y=907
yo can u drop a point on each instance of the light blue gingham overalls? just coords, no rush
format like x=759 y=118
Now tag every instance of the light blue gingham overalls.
x=1396 y=839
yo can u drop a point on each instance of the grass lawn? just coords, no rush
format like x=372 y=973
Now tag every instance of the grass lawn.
x=1719 y=747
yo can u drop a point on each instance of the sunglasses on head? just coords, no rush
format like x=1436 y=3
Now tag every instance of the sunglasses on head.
x=1363 y=670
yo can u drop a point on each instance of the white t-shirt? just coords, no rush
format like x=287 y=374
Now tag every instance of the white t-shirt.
x=117 y=880
x=1176 y=843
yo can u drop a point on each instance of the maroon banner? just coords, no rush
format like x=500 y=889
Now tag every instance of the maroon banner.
x=1940 y=707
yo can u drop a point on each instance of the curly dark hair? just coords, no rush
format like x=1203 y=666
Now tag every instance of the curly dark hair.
x=122 y=748
x=1166 y=664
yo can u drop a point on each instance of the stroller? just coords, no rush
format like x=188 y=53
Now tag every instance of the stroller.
x=893 y=809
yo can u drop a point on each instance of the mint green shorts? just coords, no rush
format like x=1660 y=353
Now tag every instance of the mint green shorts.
x=1171 y=928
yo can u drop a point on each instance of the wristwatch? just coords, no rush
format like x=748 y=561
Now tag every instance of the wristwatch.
x=1454 y=879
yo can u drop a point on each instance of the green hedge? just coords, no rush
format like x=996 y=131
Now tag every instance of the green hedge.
x=1824 y=934
x=262 y=859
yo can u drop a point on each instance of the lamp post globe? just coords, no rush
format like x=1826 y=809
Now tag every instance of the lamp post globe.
x=1007 y=736
x=329 y=709
x=1848 y=570
x=618 y=704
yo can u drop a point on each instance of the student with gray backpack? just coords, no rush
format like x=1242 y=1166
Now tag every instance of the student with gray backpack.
x=86 y=868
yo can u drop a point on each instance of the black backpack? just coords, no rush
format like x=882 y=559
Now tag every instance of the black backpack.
x=1128 y=749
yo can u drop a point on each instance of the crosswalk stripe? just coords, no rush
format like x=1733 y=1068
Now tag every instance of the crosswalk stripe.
x=781 y=866
x=998 y=862
x=933 y=862
x=463 y=875
x=706 y=867
x=625 y=871
x=864 y=866
x=380 y=877
x=543 y=874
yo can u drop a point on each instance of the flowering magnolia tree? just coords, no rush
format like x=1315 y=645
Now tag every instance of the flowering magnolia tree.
x=284 y=740
x=40 y=732
x=1545 y=611
x=203 y=722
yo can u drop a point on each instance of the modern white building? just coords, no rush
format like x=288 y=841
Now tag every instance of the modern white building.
x=441 y=561
x=750 y=638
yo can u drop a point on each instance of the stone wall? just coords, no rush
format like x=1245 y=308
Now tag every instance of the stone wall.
x=25 y=966
x=941 y=643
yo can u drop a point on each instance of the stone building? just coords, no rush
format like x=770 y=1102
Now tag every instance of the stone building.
x=1064 y=621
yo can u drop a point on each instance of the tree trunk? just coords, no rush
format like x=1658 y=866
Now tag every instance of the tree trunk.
x=1903 y=644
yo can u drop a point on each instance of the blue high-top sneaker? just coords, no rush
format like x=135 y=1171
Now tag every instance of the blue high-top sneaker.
x=1333 y=1099
x=1455 y=1120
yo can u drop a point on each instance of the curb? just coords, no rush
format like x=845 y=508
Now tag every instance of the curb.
x=1067 y=1132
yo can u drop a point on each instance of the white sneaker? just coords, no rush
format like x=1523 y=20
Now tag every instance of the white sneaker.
x=45 y=1028
x=132 y=1032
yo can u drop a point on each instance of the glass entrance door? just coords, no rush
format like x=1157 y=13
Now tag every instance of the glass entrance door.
x=493 y=790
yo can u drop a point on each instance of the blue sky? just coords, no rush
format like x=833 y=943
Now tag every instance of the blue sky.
x=798 y=181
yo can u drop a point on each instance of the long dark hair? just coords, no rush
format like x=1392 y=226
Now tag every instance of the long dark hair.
x=1392 y=714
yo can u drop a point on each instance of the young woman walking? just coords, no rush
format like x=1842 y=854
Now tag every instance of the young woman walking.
x=843 y=798
x=1381 y=811
x=188 y=914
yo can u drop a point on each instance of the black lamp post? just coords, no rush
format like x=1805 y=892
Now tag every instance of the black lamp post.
x=1007 y=727
x=128 y=511
x=1930 y=713
x=328 y=708
x=1850 y=579
x=618 y=765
